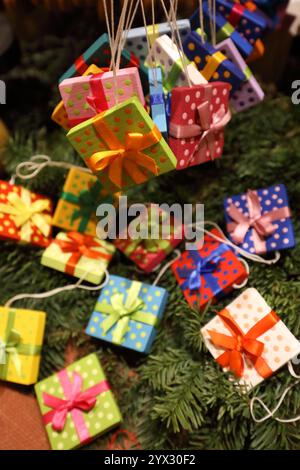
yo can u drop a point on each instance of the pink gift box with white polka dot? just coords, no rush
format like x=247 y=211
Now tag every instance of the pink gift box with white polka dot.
x=274 y=230
x=247 y=311
x=192 y=140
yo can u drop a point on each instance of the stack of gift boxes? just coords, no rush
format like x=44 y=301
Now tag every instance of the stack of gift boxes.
x=163 y=109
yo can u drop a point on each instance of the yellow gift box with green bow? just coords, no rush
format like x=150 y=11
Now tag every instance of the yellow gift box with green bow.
x=21 y=338
x=127 y=313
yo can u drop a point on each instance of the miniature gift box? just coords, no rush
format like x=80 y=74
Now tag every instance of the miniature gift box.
x=127 y=313
x=209 y=273
x=250 y=92
x=246 y=22
x=157 y=101
x=24 y=216
x=137 y=43
x=59 y=114
x=21 y=339
x=79 y=255
x=248 y=339
x=87 y=96
x=76 y=208
x=149 y=252
x=224 y=30
x=99 y=53
x=213 y=65
x=122 y=146
x=77 y=404
x=165 y=54
x=260 y=221
x=197 y=121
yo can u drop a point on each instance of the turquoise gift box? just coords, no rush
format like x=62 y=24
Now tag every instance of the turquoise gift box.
x=127 y=313
x=157 y=100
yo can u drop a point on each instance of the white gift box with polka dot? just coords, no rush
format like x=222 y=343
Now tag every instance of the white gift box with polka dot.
x=280 y=345
x=104 y=416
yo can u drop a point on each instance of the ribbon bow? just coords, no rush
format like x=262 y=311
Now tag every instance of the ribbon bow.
x=26 y=213
x=202 y=266
x=262 y=224
x=88 y=201
x=9 y=346
x=76 y=400
x=127 y=156
x=240 y=345
x=206 y=126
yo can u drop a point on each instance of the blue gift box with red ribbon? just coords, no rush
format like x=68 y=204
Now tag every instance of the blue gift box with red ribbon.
x=208 y=273
x=260 y=221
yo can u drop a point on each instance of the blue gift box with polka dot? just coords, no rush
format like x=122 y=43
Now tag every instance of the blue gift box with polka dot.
x=271 y=200
x=139 y=335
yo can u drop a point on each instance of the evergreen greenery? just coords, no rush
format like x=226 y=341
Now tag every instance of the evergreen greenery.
x=177 y=397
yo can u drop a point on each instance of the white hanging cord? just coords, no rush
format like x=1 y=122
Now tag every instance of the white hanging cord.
x=245 y=282
x=32 y=167
x=110 y=25
x=201 y=21
x=291 y=370
x=124 y=26
x=166 y=267
x=58 y=290
x=244 y=253
x=212 y=20
x=150 y=55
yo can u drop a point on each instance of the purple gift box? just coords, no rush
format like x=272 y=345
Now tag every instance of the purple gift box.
x=260 y=221
x=250 y=92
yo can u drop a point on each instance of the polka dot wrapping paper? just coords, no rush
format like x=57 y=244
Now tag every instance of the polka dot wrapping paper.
x=249 y=93
x=24 y=216
x=85 y=97
x=138 y=335
x=212 y=64
x=117 y=128
x=272 y=201
x=148 y=254
x=80 y=426
x=247 y=23
x=78 y=256
x=277 y=343
x=224 y=30
x=136 y=42
x=184 y=109
x=99 y=53
x=23 y=330
x=165 y=54
x=215 y=268
x=76 y=208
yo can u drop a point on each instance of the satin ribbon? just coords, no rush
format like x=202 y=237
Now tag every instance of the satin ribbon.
x=248 y=73
x=206 y=125
x=203 y=266
x=261 y=224
x=239 y=346
x=225 y=32
x=127 y=156
x=26 y=213
x=76 y=402
x=97 y=100
x=236 y=14
x=213 y=63
x=80 y=65
x=11 y=347
x=170 y=79
x=121 y=311
x=152 y=35
x=88 y=201
x=80 y=245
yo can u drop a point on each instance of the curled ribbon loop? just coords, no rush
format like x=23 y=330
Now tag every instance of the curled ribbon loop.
x=26 y=213
x=127 y=156
x=262 y=224
x=239 y=346
x=9 y=347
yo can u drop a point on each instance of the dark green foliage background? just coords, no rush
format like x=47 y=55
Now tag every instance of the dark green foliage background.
x=176 y=398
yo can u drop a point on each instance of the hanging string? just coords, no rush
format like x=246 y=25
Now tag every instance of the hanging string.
x=110 y=31
x=32 y=167
x=212 y=20
x=150 y=55
x=128 y=13
x=166 y=267
x=201 y=21
x=58 y=290
x=245 y=282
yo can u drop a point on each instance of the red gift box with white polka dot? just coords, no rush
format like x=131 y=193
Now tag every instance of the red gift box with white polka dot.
x=185 y=105
x=8 y=227
x=216 y=283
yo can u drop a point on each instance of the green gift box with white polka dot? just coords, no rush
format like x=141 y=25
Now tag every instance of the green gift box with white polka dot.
x=102 y=416
x=136 y=308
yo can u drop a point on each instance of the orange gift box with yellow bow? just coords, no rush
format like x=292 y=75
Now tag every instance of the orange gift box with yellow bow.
x=122 y=146
x=249 y=339
x=24 y=215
